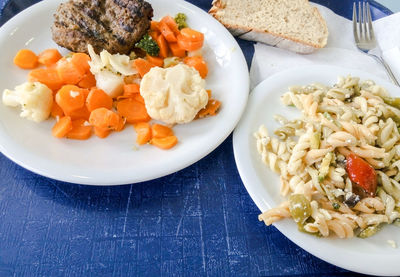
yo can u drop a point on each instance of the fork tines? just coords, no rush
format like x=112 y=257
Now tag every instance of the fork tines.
x=362 y=26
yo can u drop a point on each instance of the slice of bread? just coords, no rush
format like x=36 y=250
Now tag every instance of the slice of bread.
x=290 y=24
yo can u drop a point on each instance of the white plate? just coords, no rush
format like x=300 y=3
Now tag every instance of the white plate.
x=113 y=161
x=370 y=256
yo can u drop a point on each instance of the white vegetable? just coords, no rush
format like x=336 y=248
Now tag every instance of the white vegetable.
x=109 y=70
x=35 y=99
x=175 y=94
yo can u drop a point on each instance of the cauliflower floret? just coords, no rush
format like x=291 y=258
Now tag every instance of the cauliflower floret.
x=109 y=70
x=35 y=99
x=173 y=95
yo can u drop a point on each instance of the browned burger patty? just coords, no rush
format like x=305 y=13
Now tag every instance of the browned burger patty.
x=114 y=25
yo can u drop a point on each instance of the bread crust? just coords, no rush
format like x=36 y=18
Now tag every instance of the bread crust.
x=268 y=37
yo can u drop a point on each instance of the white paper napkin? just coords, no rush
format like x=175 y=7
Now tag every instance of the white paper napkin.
x=340 y=50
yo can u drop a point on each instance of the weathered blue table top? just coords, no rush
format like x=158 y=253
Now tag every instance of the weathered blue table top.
x=197 y=222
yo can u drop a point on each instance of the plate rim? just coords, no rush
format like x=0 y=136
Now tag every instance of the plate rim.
x=189 y=160
x=245 y=173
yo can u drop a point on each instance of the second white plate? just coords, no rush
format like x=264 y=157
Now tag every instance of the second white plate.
x=113 y=161
x=369 y=256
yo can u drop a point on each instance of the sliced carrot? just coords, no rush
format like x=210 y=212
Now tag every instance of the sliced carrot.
x=81 y=61
x=62 y=127
x=49 y=57
x=131 y=89
x=97 y=98
x=199 y=64
x=167 y=33
x=165 y=143
x=162 y=43
x=161 y=131
x=143 y=132
x=47 y=76
x=157 y=61
x=209 y=93
x=192 y=35
x=154 y=25
x=88 y=81
x=82 y=113
x=56 y=110
x=171 y=24
x=26 y=59
x=143 y=66
x=138 y=98
x=189 y=45
x=211 y=108
x=70 y=98
x=101 y=133
x=176 y=50
x=69 y=72
x=121 y=124
x=104 y=119
x=154 y=34
x=80 y=130
x=132 y=110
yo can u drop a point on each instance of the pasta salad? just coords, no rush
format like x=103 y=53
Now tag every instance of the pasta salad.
x=339 y=163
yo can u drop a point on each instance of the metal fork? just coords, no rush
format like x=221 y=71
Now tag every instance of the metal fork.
x=365 y=38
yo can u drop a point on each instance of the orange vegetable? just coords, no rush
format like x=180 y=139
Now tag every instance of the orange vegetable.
x=47 y=76
x=165 y=143
x=62 y=127
x=138 y=98
x=121 y=124
x=143 y=132
x=171 y=24
x=189 y=45
x=199 y=64
x=80 y=60
x=162 y=43
x=154 y=25
x=132 y=110
x=70 y=98
x=26 y=59
x=49 y=57
x=176 y=50
x=97 y=98
x=209 y=93
x=88 y=81
x=56 y=110
x=211 y=108
x=82 y=113
x=69 y=72
x=192 y=35
x=101 y=133
x=104 y=119
x=161 y=131
x=167 y=33
x=157 y=61
x=79 y=131
x=154 y=34
x=143 y=66
x=131 y=89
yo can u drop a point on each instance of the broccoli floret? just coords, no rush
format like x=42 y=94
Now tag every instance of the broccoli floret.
x=180 y=19
x=148 y=45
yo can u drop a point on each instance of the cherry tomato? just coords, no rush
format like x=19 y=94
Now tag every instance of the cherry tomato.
x=361 y=173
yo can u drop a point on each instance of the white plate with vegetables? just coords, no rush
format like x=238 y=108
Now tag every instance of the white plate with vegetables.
x=118 y=159
x=324 y=202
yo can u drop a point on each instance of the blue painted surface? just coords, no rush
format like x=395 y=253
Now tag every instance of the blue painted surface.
x=197 y=222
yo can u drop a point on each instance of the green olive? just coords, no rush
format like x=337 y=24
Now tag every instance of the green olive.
x=369 y=231
x=299 y=208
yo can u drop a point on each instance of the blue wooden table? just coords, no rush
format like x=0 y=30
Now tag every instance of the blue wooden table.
x=197 y=222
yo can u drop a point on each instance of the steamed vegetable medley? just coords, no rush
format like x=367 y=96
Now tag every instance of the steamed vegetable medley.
x=162 y=79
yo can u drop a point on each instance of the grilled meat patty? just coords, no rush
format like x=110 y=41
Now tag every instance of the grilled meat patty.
x=114 y=25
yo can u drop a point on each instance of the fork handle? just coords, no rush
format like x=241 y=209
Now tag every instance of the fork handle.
x=388 y=70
